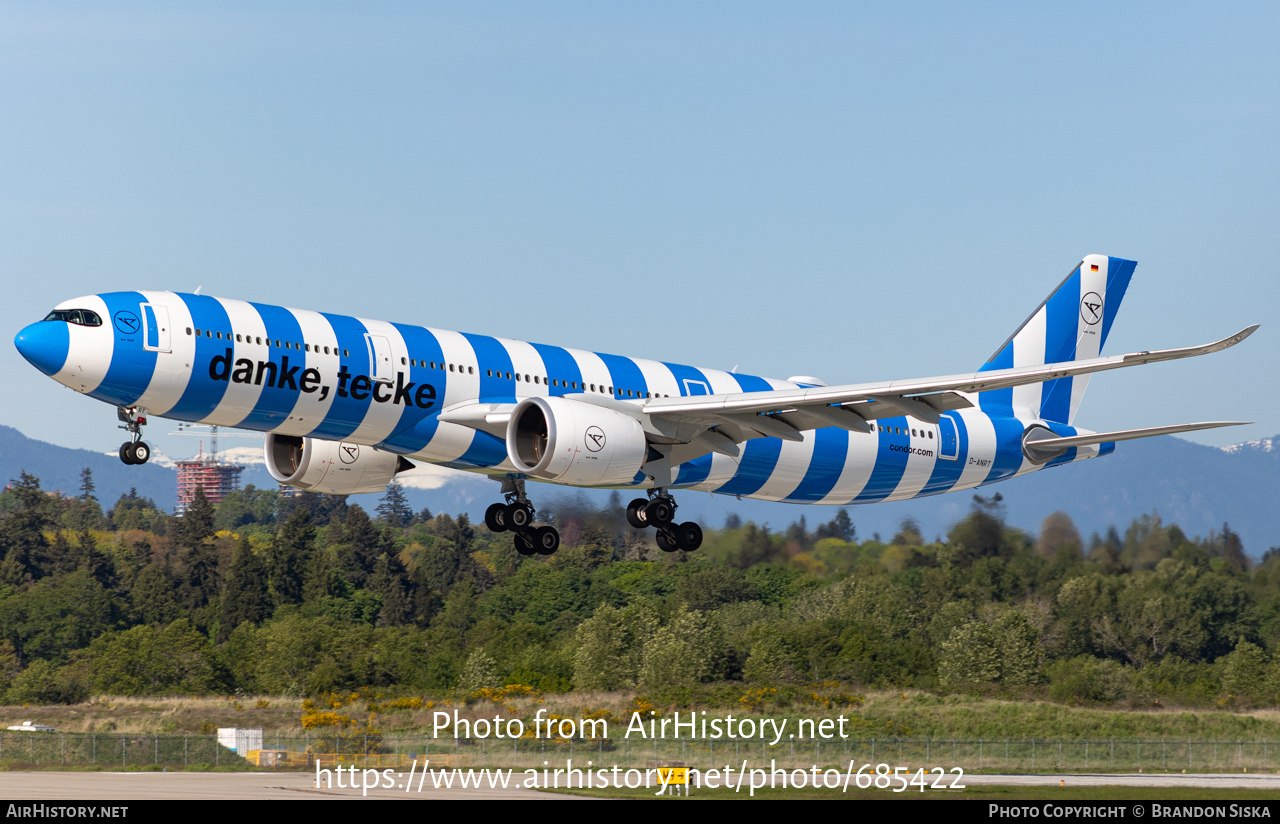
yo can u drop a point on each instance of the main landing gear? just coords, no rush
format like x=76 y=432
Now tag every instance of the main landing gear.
x=516 y=515
x=659 y=511
x=135 y=450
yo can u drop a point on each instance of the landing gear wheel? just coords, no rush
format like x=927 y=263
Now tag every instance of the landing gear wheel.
x=546 y=539
x=495 y=517
x=141 y=452
x=667 y=541
x=126 y=453
x=659 y=512
x=525 y=544
x=689 y=536
x=635 y=513
x=518 y=516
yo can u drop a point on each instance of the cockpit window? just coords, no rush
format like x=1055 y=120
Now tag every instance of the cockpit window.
x=81 y=317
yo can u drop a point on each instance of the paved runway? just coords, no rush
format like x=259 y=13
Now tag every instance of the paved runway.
x=68 y=786
x=105 y=786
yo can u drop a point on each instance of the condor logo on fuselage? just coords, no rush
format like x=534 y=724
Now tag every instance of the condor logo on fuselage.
x=284 y=375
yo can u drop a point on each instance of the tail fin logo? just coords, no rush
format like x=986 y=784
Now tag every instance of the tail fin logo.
x=1091 y=308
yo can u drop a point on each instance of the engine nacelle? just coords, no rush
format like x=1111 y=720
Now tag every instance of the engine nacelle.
x=575 y=443
x=329 y=466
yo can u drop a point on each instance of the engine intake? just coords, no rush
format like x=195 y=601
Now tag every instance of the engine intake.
x=330 y=466
x=571 y=442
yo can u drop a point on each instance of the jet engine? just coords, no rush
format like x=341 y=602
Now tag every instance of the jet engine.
x=571 y=442
x=329 y=466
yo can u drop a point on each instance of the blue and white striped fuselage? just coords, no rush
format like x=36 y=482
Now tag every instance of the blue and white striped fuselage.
x=373 y=383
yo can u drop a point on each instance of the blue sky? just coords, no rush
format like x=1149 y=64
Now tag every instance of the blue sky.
x=853 y=191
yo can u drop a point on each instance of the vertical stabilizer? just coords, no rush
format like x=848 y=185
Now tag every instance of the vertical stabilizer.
x=1071 y=324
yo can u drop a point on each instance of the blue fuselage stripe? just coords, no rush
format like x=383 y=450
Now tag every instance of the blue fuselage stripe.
x=347 y=412
x=891 y=464
x=561 y=368
x=417 y=426
x=946 y=473
x=494 y=364
x=131 y=366
x=276 y=401
x=1008 y=449
x=830 y=447
x=625 y=376
x=203 y=394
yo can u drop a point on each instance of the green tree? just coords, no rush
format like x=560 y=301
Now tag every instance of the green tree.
x=611 y=647
x=685 y=650
x=175 y=660
x=292 y=554
x=394 y=508
x=152 y=594
x=245 y=598
x=479 y=672
x=28 y=515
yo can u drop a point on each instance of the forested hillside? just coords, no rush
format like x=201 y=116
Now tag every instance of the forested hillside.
x=301 y=596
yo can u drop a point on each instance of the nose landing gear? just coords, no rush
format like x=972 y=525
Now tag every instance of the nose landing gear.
x=659 y=511
x=516 y=515
x=135 y=450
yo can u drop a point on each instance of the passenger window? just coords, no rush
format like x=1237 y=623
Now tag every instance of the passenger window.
x=451 y=367
x=188 y=331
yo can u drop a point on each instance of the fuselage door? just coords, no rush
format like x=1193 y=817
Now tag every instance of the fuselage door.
x=155 y=325
x=380 y=357
x=695 y=387
x=949 y=448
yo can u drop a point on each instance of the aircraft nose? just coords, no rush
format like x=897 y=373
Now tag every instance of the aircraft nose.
x=45 y=345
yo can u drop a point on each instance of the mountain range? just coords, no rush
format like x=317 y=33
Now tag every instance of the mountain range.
x=1198 y=487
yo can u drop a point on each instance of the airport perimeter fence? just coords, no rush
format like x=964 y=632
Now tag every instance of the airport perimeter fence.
x=158 y=751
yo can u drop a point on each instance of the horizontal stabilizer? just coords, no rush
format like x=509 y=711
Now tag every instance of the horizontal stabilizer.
x=1041 y=445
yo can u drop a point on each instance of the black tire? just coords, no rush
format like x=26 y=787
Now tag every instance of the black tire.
x=495 y=517
x=141 y=452
x=525 y=544
x=659 y=512
x=689 y=536
x=635 y=513
x=546 y=539
x=518 y=516
x=126 y=453
x=667 y=541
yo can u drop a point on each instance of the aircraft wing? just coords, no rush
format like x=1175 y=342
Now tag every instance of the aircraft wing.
x=695 y=425
x=785 y=413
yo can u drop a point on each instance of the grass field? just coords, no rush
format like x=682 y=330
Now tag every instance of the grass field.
x=883 y=714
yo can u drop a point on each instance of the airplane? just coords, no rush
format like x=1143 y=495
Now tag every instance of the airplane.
x=347 y=403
